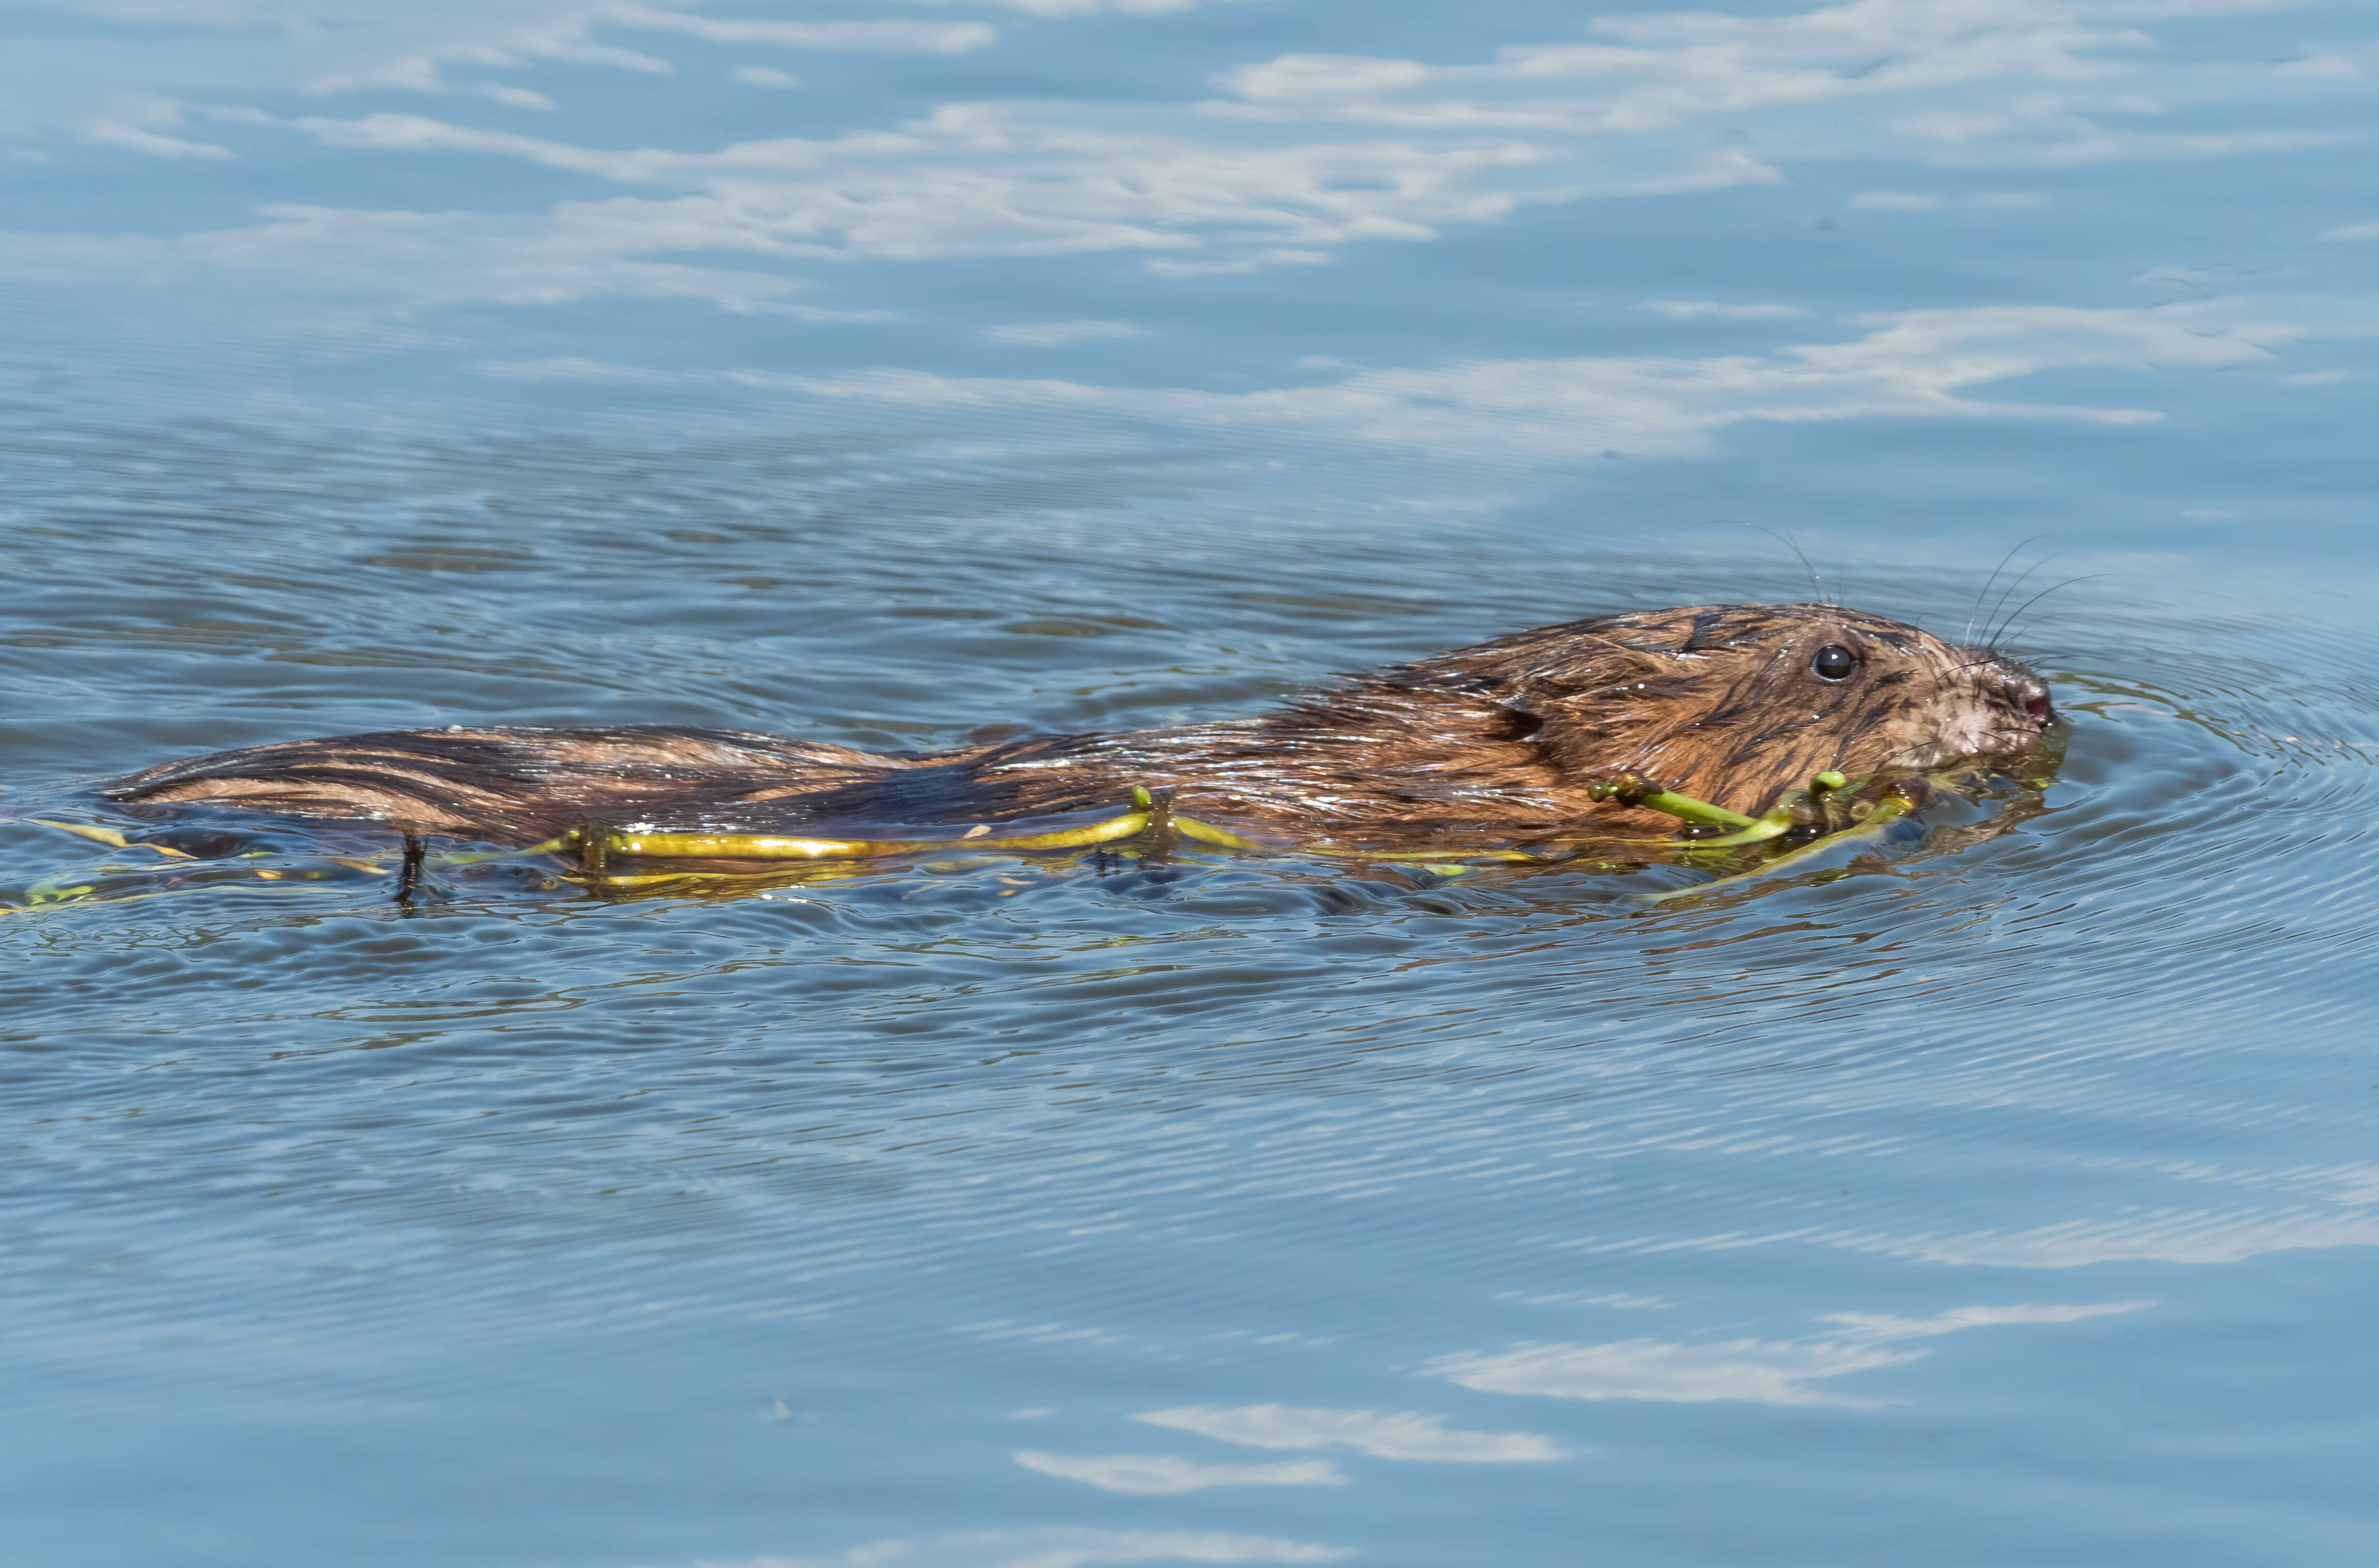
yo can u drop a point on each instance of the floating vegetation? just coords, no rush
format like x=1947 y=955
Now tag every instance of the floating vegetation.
x=643 y=859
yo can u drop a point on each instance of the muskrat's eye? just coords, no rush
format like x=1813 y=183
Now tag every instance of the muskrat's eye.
x=1834 y=662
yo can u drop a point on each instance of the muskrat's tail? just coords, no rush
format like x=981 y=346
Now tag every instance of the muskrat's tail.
x=506 y=784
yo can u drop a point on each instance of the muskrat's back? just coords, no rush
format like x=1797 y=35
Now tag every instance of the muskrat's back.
x=1732 y=704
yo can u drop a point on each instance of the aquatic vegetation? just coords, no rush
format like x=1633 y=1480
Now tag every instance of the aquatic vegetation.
x=613 y=861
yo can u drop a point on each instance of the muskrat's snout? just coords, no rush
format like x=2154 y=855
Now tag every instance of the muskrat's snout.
x=2017 y=699
x=2021 y=688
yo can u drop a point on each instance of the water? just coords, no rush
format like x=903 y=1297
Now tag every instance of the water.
x=2010 y=1205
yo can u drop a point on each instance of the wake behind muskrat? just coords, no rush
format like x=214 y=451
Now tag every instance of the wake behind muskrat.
x=1510 y=740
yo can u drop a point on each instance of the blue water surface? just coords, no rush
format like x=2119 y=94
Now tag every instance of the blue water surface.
x=877 y=372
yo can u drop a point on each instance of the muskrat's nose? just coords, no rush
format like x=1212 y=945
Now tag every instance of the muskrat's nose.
x=2007 y=680
x=2025 y=690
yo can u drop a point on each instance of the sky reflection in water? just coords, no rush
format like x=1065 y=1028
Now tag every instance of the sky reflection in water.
x=877 y=371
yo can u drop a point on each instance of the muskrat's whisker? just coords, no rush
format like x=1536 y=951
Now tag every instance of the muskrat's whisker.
x=1989 y=636
x=2087 y=577
x=1816 y=582
x=1993 y=577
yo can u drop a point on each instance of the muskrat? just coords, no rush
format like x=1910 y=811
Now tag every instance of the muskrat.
x=1504 y=742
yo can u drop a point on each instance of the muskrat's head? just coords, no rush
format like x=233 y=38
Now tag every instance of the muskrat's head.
x=1735 y=702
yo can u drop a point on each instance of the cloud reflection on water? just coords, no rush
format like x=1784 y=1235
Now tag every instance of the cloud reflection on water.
x=1054 y=1546
x=1381 y=1434
x=2169 y=1236
x=1281 y=171
x=1915 y=363
x=1756 y=1370
x=1161 y=1475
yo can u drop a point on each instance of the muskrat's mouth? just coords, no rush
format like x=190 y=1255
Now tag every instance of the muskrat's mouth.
x=1998 y=749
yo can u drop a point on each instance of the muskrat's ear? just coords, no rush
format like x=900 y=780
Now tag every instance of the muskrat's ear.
x=1539 y=692
x=1607 y=702
x=1528 y=699
x=1576 y=691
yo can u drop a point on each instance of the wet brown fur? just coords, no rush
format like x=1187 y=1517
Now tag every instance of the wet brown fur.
x=1498 y=742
